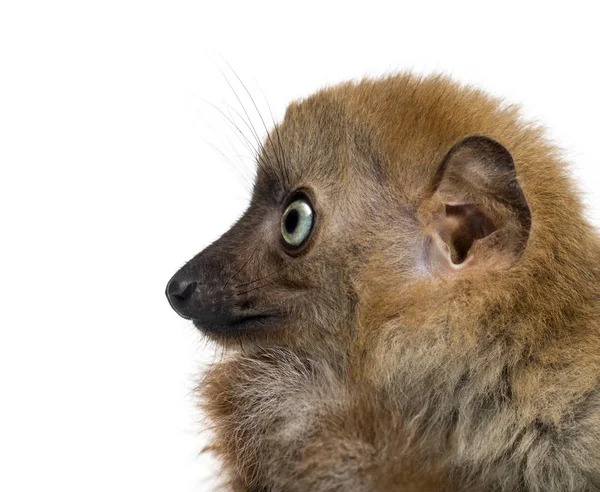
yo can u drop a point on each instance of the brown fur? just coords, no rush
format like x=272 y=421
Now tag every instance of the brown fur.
x=381 y=374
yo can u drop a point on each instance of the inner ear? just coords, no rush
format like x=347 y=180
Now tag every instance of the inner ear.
x=477 y=209
x=468 y=225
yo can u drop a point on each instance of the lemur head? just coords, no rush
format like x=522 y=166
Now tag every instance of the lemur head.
x=403 y=182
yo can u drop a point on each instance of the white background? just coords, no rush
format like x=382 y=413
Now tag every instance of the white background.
x=110 y=181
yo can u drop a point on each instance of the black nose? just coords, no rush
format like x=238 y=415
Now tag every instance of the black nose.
x=180 y=292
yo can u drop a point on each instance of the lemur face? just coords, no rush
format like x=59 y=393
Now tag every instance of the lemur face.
x=284 y=270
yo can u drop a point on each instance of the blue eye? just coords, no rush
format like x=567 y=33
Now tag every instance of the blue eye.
x=297 y=222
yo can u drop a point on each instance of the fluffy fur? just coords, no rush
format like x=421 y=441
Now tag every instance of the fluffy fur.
x=388 y=370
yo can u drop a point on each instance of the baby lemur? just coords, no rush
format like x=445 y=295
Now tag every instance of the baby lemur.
x=409 y=303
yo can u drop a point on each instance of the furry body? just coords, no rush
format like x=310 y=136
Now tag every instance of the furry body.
x=394 y=374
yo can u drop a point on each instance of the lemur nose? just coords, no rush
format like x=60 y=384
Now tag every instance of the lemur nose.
x=179 y=292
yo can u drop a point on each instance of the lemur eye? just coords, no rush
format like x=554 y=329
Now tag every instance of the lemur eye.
x=297 y=222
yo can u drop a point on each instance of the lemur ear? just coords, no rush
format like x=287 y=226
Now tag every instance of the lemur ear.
x=477 y=212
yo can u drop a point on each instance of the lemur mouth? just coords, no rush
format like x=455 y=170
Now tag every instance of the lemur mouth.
x=239 y=324
x=216 y=313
